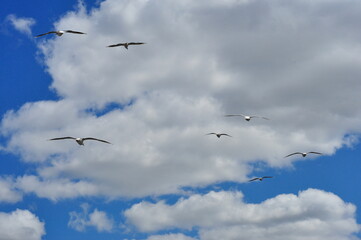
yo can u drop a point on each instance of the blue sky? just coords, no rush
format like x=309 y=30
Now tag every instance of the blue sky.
x=295 y=62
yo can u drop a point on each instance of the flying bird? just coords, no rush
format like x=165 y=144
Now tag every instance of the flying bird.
x=80 y=141
x=246 y=117
x=304 y=154
x=219 y=134
x=126 y=44
x=59 y=33
x=259 y=178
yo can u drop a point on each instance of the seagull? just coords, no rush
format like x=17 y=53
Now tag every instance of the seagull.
x=126 y=44
x=247 y=118
x=259 y=178
x=80 y=141
x=60 y=32
x=219 y=134
x=304 y=154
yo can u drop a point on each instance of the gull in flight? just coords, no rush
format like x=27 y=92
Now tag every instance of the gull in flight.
x=259 y=178
x=219 y=134
x=59 y=33
x=247 y=118
x=304 y=154
x=126 y=44
x=80 y=141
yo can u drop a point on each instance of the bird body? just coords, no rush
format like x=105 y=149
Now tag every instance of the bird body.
x=126 y=44
x=219 y=134
x=80 y=141
x=59 y=33
x=259 y=178
x=246 y=117
x=304 y=154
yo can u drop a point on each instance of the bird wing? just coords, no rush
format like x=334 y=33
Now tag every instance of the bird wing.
x=71 y=31
x=253 y=179
x=259 y=117
x=135 y=43
x=267 y=177
x=61 y=138
x=315 y=153
x=117 y=45
x=43 y=34
x=234 y=115
x=96 y=139
x=211 y=133
x=293 y=154
x=225 y=134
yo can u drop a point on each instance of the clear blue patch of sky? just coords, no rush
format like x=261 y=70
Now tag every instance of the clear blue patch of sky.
x=11 y=166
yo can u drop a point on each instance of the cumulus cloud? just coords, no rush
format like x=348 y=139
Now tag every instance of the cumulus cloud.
x=21 y=24
x=98 y=219
x=312 y=214
x=296 y=62
x=20 y=225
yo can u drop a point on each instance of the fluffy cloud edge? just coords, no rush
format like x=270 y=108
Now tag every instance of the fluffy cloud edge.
x=225 y=215
x=20 y=225
x=8 y=191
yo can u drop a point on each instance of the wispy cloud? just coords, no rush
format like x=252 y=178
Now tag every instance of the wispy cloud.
x=98 y=219
x=22 y=24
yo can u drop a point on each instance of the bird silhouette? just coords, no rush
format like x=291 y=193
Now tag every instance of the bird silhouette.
x=259 y=178
x=246 y=117
x=80 y=141
x=126 y=44
x=304 y=154
x=219 y=134
x=59 y=33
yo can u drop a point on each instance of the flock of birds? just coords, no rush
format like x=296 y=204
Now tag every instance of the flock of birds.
x=80 y=141
x=248 y=118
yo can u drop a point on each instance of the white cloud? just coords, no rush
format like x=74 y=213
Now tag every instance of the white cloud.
x=55 y=189
x=313 y=214
x=98 y=219
x=8 y=193
x=20 y=225
x=21 y=24
x=296 y=62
